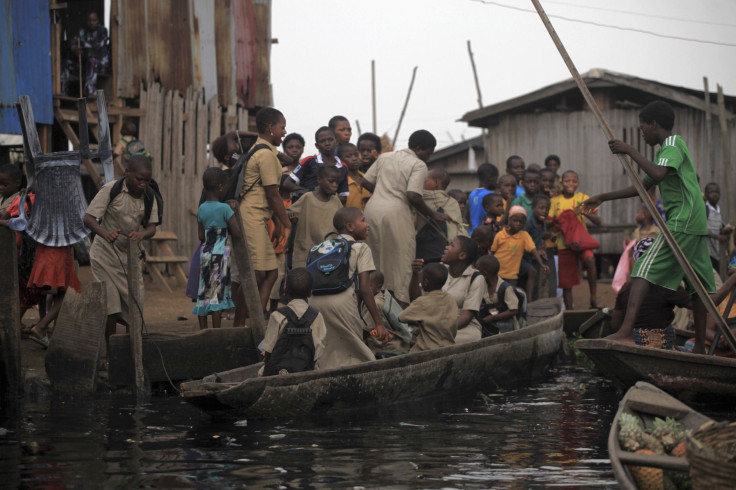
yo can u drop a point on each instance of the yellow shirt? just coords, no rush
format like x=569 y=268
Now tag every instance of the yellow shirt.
x=559 y=204
x=509 y=250
x=358 y=195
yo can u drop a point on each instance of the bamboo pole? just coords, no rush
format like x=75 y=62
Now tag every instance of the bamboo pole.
x=727 y=181
x=406 y=103
x=608 y=132
x=136 y=323
x=709 y=130
x=483 y=131
x=373 y=93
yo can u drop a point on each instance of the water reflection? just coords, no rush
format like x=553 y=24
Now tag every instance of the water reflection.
x=552 y=434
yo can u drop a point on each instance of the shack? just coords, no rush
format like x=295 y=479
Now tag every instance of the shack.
x=461 y=161
x=556 y=120
x=185 y=72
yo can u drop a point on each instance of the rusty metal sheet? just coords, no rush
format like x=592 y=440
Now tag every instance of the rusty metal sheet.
x=131 y=45
x=170 y=44
x=225 y=46
x=245 y=51
x=203 y=47
x=25 y=59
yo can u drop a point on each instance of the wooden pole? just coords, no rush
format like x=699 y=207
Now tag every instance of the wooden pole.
x=357 y=126
x=79 y=59
x=10 y=377
x=248 y=284
x=689 y=272
x=406 y=103
x=709 y=130
x=726 y=186
x=483 y=131
x=373 y=93
x=135 y=315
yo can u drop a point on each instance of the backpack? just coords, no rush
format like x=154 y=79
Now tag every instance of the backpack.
x=329 y=265
x=235 y=176
x=134 y=147
x=432 y=239
x=500 y=305
x=149 y=194
x=294 y=350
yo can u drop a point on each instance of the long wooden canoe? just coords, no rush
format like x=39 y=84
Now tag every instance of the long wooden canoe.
x=686 y=376
x=647 y=402
x=503 y=360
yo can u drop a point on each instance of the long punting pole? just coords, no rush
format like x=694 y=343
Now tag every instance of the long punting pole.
x=689 y=272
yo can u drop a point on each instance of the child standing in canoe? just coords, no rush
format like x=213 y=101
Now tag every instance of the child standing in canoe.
x=673 y=171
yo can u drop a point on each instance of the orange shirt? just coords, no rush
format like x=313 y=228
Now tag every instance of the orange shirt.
x=358 y=196
x=509 y=249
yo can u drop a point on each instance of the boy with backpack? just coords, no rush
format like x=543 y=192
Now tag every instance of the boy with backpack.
x=295 y=335
x=340 y=269
x=129 y=145
x=504 y=306
x=128 y=210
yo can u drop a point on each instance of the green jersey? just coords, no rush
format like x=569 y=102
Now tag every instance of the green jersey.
x=681 y=196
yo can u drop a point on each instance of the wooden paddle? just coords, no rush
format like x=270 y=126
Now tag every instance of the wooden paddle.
x=628 y=167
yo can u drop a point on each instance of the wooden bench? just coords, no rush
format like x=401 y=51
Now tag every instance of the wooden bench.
x=162 y=254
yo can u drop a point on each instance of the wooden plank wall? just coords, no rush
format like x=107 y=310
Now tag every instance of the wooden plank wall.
x=577 y=139
x=177 y=130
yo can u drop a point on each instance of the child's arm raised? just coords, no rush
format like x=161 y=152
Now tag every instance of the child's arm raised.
x=366 y=294
x=414 y=290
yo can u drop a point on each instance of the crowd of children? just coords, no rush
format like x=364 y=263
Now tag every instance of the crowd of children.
x=358 y=253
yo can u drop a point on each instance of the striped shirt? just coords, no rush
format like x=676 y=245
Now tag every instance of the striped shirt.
x=681 y=196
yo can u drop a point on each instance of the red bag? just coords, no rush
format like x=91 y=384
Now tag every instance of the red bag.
x=574 y=234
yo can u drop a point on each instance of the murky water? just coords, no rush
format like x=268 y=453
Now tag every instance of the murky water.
x=550 y=434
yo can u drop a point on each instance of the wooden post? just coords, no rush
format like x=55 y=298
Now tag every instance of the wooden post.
x=373 y=93
x=135 y=315
x=10 y=376
x=406 y=103
x=709 y=130
x=248 y=284
x=628 y=167
x=483 y=131
x=726 y=186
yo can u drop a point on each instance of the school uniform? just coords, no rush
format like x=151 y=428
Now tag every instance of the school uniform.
x=510 y=300
x=435 y=315
x=437 y=199
x=262 y=170
x=344 y=344
x=277 y=322
x=468 y=295
x=305 y=174
x=123 y=213
x=315 y=221
x=392 y=236
x=395 y=344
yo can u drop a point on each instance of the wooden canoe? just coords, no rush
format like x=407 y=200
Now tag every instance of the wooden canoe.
x=503 y=360
x=686 y=376
x=647 y=402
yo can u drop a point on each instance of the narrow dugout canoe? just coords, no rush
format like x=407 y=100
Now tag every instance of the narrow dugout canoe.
x=648 y=402
x=683 y=375
x=504 y=360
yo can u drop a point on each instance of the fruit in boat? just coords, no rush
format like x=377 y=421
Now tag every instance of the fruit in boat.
x=647 y=478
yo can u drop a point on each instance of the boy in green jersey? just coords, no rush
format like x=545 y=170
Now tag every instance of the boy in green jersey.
x=674 y=173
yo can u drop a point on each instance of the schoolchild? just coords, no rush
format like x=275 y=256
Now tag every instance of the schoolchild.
x=568 y=275
x=358 y=197
x=537 y=228
x=462 y=201
x=507 y=188
x=380 y=296
x=510 y=244
x=515 y=166
x=673 y=171
x=483 y=236
x=531 y=183
x=216 y=221
x=552 y=163
x=298 y=291
x=369 y=147
x=344 y=344
x=498 y=314
x=315 y=211
x=548 y=182
x=304 y=177
x=128 y=144
x=120 y=223
x=487 y=181
x=434 y=314
x=493 y=205
x=436 y=197
x=718 y=231
x=646 y=227
x=341 y=127
x=293 y=148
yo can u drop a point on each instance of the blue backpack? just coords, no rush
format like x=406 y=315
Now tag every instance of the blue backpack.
x=328 y=263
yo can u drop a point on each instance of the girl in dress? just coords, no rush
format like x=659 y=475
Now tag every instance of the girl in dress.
x=216 y=219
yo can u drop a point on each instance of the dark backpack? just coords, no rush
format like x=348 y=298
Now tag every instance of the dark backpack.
x=294 y=350
x=500 y=305
x=149 y=194
x=432 y=239
x=235 y=176
x=134 y=147
x=328 y=263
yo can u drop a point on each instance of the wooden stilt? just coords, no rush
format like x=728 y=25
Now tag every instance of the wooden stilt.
x=136 y=323
x=10 y=374
x=248 y=284
x=628 y=167
x=406 y=103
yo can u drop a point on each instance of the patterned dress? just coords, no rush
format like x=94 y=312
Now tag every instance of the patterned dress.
x=214 y=270
x=95 y=59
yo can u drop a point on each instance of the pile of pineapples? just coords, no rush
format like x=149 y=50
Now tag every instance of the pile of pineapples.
x=664 y=437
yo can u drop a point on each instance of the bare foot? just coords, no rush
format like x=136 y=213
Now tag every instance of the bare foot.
x=619 y=337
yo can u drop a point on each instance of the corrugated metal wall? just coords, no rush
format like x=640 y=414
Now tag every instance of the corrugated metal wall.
x=581 y=145
x=221 y=46
x=25 y=61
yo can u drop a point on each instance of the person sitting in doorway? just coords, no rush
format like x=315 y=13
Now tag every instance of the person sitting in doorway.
x=90 y=45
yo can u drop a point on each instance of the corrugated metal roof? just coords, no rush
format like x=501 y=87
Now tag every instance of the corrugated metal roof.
x=25 y=59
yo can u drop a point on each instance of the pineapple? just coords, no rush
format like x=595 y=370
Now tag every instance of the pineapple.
x=647 y=478
x=630 y=432
x=668 y=432
x=679 y=450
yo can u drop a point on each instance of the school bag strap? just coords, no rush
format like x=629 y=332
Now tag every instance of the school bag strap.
x=294 y=350
x=150 y=193
x=296 y=325
x=239 y=172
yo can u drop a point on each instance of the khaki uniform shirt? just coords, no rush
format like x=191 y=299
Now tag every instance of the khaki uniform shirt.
x=277 y=322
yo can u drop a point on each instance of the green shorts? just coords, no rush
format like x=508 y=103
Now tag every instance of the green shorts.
x=659 y=265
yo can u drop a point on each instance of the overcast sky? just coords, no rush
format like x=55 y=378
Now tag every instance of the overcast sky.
x=321 y=64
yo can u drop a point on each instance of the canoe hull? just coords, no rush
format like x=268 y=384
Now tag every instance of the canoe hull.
x=686 y=376
x=501 y=361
